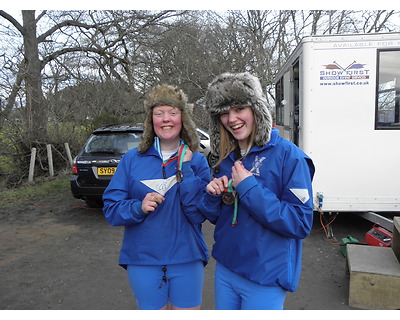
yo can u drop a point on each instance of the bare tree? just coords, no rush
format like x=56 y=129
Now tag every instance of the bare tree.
x=98 y=35
x=60 y=61
x=58 y=47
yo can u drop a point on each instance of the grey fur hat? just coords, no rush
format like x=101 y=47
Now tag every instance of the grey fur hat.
x=237 y=89
x=170 y=96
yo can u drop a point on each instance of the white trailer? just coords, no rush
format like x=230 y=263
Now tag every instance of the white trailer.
x=338 y=99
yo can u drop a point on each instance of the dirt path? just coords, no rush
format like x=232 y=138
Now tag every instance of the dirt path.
x=58 y=254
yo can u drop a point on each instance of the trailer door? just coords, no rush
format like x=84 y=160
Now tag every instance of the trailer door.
x=287 y=117
x=287 y=106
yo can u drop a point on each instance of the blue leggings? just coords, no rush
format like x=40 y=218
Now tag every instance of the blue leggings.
x=233 y=292
x=154 y=286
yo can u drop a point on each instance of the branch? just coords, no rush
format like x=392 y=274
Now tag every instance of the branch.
x=56 y=54
x=66 y=23
x=11 y=19
x=42 y=14
x=15 y=88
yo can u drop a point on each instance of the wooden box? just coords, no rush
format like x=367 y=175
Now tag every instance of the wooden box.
x=374 y=277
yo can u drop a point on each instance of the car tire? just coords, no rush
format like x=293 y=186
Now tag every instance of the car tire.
x=94 y=203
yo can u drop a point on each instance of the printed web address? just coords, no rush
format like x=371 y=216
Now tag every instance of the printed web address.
x=345 y=83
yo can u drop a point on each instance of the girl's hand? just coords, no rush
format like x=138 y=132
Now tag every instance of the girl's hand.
x=151 y=201
x=188 y=155
x=239 y=173
x=217 y=185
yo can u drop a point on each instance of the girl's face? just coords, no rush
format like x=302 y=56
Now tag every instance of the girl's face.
x=167 y=123
x=239 y=122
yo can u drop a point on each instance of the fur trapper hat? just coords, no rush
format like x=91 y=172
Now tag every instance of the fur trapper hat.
x=237 y=89
x=166 y=95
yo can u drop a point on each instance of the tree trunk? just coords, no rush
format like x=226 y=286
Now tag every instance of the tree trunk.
x=33 y=82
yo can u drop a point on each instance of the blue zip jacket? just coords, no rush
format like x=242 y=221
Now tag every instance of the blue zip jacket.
x=275 y=213
x=172 y=233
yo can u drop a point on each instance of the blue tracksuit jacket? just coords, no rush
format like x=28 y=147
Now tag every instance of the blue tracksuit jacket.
x=172 y=233
x=275 y=213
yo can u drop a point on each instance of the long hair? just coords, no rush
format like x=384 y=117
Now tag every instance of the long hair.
x=228 y=143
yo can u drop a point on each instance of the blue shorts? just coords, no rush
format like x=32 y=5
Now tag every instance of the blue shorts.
x=180 y=284
x=233 y=292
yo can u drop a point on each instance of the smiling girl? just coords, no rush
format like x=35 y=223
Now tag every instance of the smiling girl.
x=154 y=194
x=259 y=198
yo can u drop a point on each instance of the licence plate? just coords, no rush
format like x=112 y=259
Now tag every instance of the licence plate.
x=106 y=171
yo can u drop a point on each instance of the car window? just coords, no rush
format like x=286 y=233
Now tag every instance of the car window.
x=202 y=136
x=112 y=143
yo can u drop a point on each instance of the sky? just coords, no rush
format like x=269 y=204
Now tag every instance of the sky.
x=203 y=5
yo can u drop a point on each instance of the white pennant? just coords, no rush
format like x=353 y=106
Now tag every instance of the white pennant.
x=160 y=185
x=301 y=194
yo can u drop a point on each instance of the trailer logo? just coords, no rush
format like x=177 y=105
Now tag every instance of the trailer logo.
x=334 y=74
x=336 y=66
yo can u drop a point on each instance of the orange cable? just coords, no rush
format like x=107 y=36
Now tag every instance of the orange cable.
x=324 y=227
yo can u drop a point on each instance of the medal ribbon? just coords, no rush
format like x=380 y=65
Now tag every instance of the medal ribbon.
x=158 y=148
x=168 y=161
x=236 y=204
x=181 y=155
x=165 y=163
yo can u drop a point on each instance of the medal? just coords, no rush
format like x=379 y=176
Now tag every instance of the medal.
x=181 y=155
x=228 y=198
x=179 y=176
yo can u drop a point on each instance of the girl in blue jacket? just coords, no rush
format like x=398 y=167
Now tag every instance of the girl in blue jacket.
x=154 y=195
x=260 y=198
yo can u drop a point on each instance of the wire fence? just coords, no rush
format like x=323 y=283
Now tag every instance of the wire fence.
x=49 y=150
x=44 y=160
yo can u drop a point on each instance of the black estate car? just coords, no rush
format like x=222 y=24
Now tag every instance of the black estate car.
x=96 y=163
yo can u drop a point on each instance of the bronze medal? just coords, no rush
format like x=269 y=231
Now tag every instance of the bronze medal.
x=179 y=176
x=228 y=198
x=181 y=156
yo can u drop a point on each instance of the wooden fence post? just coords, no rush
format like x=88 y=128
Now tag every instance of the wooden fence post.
x=50 y=157
x=68 y=153
x=32 y=164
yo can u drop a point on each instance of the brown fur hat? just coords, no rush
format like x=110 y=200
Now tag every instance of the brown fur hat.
x=238 y=89
x=169 y=96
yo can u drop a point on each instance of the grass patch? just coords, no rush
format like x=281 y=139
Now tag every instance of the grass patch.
x=39 y=189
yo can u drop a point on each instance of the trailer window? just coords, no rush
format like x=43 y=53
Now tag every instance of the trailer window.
x=278 y=102
x=388 y=90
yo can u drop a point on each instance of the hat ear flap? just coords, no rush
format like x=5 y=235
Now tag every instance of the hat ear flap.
x=148 y=133
x=264 y=123
x=189 y=133
x=215 y=135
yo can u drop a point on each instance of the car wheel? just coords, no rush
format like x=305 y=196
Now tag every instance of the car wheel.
x=94 y=203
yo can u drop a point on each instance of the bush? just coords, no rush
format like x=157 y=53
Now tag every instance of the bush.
x=40 y=188
x=16 y=151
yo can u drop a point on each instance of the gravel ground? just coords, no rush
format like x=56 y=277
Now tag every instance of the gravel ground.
x=58 y=254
